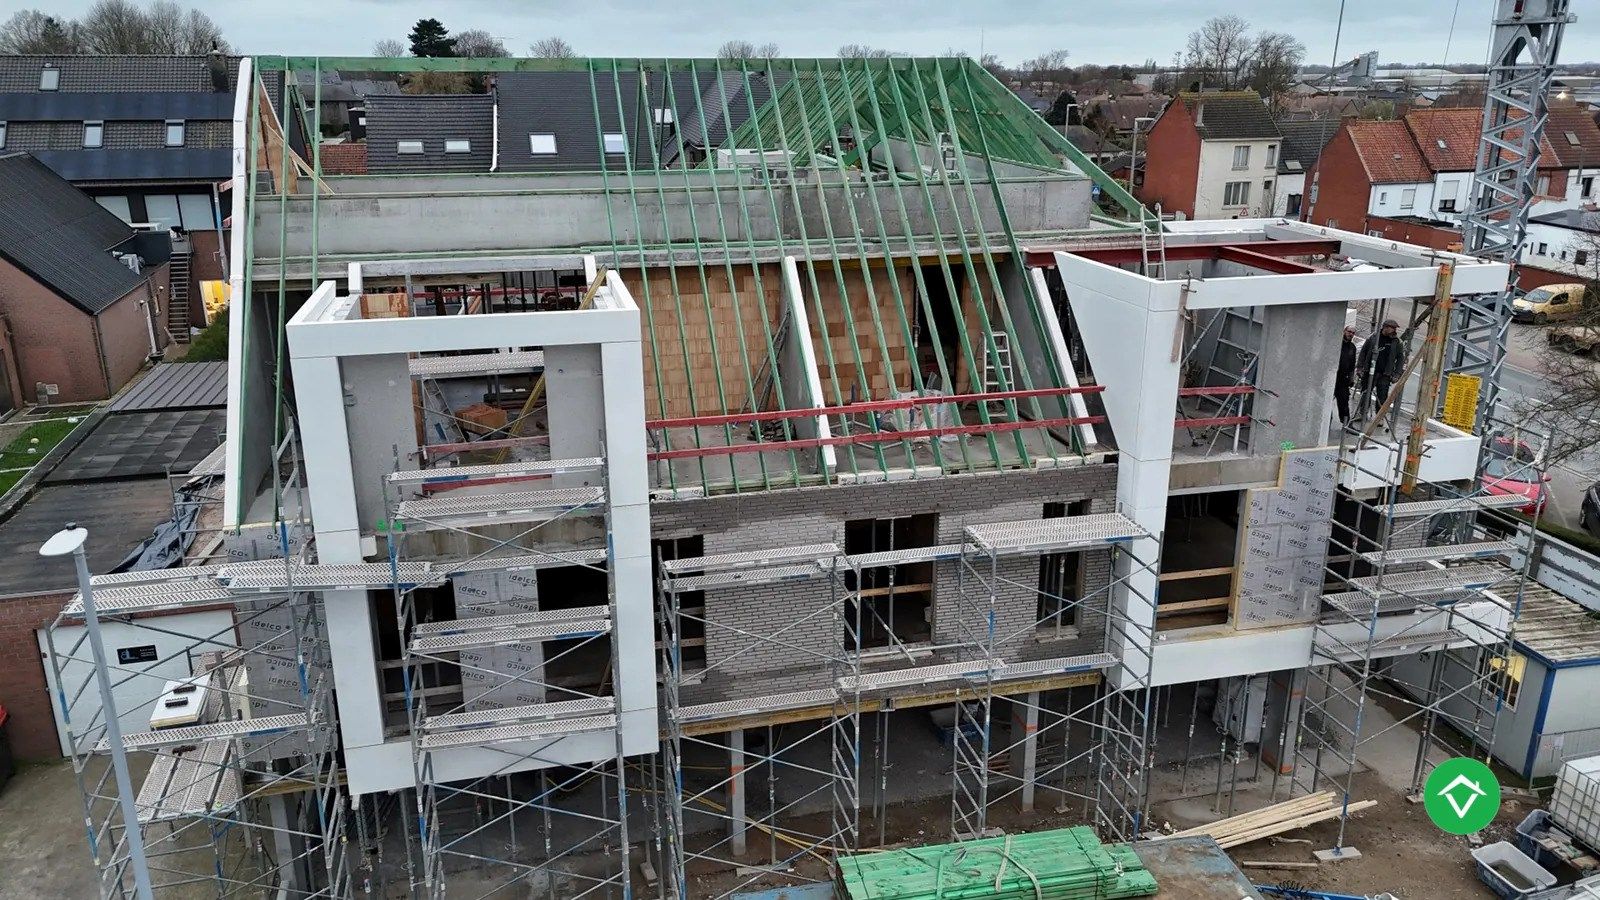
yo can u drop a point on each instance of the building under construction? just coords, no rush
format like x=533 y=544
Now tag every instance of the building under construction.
x=823 y=454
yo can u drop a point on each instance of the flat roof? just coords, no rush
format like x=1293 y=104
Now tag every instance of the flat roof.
x=118 y=516
x=1556 y=628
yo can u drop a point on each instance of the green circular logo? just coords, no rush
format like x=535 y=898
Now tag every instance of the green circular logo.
x=1461 y=796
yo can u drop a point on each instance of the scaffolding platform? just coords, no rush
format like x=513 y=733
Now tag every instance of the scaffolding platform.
x=1064 y=665
x=752 y=559
x=467 y=365
x=1431 y=583
x=922 y=675
x=750 y=576
x=534 y=628
x=1417 y=508
x=497 y=470
x=196 y=734
x=722 y=709
x=1396 y=645
x=521 y=563
x=1473 y=550
x=1048 y=535
x=512 y=715
x=516 y=733
x=187 y=782
x=884 y=558
x=488 y=509
x=277 y=578
x=150 y=597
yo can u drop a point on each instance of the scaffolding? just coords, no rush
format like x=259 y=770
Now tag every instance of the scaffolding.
x=222 y=689
x=971 y=668
x=520 y=779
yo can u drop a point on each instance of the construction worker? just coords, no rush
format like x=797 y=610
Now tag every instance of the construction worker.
x=1382 y=361
x=1345 y=378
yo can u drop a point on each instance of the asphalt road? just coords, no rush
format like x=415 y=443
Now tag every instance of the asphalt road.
x=1522 y=382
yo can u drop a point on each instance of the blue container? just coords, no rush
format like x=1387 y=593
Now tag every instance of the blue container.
x=1532 y=828
x=1509 y=872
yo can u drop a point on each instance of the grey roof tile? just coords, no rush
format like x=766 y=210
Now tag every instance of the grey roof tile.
x=1231 y=115
x=60 y=236
x=431 y=119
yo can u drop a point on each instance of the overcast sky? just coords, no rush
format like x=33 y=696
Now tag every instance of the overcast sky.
x=1103 y=31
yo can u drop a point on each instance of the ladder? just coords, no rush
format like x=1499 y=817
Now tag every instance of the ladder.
x=997 y=372
x=178 y=273
x=1152 y=243
x=1235 y=333
x=765 y=380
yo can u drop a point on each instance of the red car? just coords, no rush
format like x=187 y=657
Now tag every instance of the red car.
x=1513 y=468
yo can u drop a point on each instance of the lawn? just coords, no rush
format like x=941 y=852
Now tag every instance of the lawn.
x=41 y=438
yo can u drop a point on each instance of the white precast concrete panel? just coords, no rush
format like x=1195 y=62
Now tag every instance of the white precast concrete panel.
x=800 y=332
x=233 y=499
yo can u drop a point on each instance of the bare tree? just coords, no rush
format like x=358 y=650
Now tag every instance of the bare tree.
x=736 y=50
x=389 y=48
x=769 y=50
x=31 y=31
x=1219 y=50
x=551 y=48
x=117 y=26
x=475 y=43
x=1047 y=68
x=1571 y=364
x=1274 y=60
x=863 y=51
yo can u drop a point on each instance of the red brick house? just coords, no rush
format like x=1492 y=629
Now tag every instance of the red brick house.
x=1363 y=157
x=81 y=293
x=1212 y=156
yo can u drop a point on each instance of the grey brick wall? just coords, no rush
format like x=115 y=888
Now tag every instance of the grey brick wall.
x=764 y=639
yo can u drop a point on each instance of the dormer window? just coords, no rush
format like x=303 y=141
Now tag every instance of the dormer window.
x=49 y=78
x=408 y=148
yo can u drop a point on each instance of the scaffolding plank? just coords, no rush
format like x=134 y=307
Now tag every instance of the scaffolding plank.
x=156 y=576
x=334 y=577
x=922 y=675
x=577 y=629
x=1415 y=508
x=1056 y=666
x=883 y=558
x=752 y=559
x=490 y=623
x=497 y=470
x=1395 y=645
x=195 y=734
x=521 y=562
x=1044 y=535
x=721 y=709
x=470 y=364
x=511 y=715
x=150 y=598
x=1430 y=582
x=496 y=507
x=1472 y=550
x=755 y=576
x=528 y=731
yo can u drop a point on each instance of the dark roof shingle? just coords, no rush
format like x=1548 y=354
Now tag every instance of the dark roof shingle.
x=1303 y=142
x=60 y=236
x=432 y=119
x=1230 y=115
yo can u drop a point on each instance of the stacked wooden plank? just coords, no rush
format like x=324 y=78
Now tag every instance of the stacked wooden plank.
x=1275 y=819
x=1068 y=864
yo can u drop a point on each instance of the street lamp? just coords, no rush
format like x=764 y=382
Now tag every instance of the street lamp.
x=1133 y=157
x=69 y=540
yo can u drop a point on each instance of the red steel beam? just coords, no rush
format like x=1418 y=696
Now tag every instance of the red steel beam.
x=867 y=406
x=1223 y=420
x=876 y=437
x=1045 y=257
x=1248 y=257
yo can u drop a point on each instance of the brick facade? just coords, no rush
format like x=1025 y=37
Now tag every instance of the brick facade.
x=1340 y=186
x=784 y=631
x=1418 y=233
x=1171 y=162
x=23 y=693
x=89 y=357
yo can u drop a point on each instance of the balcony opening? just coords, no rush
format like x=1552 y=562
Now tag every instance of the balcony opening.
x=1198 y=557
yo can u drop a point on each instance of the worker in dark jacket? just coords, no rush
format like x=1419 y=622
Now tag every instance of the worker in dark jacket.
x=1382 y=361
x=1345 y=378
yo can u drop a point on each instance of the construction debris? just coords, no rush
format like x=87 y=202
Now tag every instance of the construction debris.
x=1275 y=819
x=1068 y=864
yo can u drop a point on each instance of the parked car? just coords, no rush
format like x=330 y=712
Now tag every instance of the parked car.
x=1580 y=339
x=1513 y=468
x=1590 y=517
x=1551 y=303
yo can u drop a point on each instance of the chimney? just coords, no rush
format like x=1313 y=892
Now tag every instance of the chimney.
x=1199 y=114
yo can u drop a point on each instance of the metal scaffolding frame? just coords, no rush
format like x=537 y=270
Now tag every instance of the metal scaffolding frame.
x=1414 y=577
x=240 y=785
x=574 y=836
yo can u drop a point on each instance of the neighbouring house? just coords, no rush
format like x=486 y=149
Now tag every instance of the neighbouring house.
x=1418 y=170
x=344 y=158
x=148 y=137
x=1213 y=156
x=1302 y=143
x=1092 y=143
x=81 y=292
x=342 y=98
x=1117 y=115
x=1560 y=247
x=429 y=133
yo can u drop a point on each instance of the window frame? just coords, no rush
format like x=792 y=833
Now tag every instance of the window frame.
x=1236 y=193
x=99 y=127
x=183 y=132
x=45 y=74
x=454 y=146
x=1241 y=157
x=2 y=134
x=1272 y=155
x=620 y=139
x=534 y=143
x=1408 y=198
x=401 y=148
